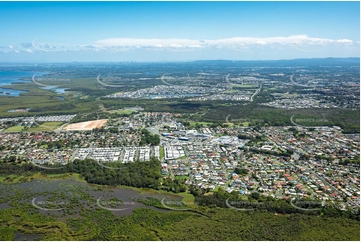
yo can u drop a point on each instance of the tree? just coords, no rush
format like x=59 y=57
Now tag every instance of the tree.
x=240 y=170
x=255 y=195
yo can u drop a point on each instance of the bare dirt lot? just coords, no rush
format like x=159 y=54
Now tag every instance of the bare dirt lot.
x=89 y=125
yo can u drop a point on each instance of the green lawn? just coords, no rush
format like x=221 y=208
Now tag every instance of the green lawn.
x=161 y=152
x=181 y=177
x=245 y=124
x=193 y=124
x=188 y=199
x=47 y=126
x=125 y=111
x=230 y=124
x=15 y=129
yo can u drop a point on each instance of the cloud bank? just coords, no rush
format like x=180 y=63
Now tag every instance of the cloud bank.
x=229 y=43
x=212 y=47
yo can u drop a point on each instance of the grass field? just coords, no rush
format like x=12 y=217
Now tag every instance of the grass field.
x=121 y=111
x=181 y=177
x=230 y=125
x=193 y=124
x=47 y=126
x=125 y=111
x=161 y=152
x=15 y=129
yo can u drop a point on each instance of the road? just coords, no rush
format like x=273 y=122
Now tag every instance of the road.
x=204 y=113
x=61 y=127
x=295 y=83
x=154 y=129
x=275 y=144
x=107 y=85
x=230 y=84
x=255 y=93
x=331 y=186
x=227 y=118
x=167 y=83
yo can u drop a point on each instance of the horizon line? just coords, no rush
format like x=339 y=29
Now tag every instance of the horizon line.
x=160 y=61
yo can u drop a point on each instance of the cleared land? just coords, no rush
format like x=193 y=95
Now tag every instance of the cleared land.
x=89 y=125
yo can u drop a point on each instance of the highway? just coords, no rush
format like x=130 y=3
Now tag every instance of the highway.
x=295 y=83
x=255 y=93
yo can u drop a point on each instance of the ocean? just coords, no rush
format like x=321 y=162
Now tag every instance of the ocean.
x=8 y=77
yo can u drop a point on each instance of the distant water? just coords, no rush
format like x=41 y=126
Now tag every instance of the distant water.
x=8 y=77
x=55 y=89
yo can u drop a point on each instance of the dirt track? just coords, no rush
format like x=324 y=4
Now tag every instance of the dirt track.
x=89 y=125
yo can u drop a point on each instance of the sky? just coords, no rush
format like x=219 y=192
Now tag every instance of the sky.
x=177 y=31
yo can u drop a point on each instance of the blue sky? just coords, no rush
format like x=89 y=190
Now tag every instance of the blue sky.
x=171 y=31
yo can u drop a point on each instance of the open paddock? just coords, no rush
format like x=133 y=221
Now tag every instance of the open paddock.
x=46 y=126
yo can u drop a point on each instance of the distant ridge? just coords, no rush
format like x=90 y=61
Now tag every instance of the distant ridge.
x=330 y=61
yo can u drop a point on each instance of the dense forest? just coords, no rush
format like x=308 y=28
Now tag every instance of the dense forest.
x=137 y=174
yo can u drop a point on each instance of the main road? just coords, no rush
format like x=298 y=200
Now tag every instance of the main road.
x=295 y=83
x=255 y=93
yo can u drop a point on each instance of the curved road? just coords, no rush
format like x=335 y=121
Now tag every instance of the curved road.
x=107 y=85
x=167 y=83
x=230 y=84
x=295 y=83
x=227 y=118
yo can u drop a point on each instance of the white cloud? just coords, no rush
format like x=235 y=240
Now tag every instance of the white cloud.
x=344 y=41
x=261 y=42
x=231 y=43
x=146 y=42
x=243 y=44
